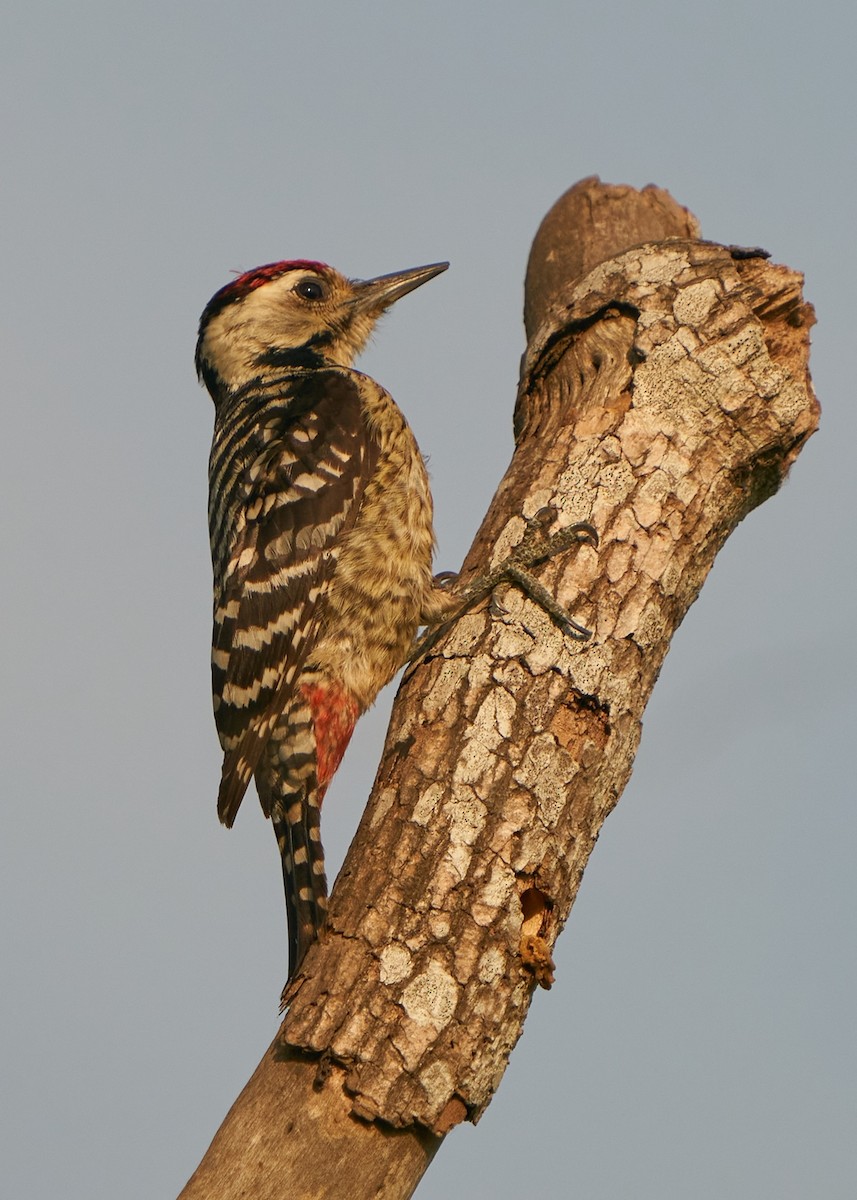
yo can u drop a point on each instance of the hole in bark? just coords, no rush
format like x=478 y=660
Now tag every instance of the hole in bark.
x=581 y=718
x=535 y=950
x=536 y=908
x=404 y=744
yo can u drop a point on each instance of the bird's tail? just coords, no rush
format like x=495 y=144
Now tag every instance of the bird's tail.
x=290 y=794
x=299 y=761
x=296 y=823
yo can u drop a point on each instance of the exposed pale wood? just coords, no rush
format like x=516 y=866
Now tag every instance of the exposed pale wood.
x=589 y=224
x=663 y=396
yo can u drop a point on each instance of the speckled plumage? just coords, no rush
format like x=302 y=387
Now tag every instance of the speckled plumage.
x=320 y=518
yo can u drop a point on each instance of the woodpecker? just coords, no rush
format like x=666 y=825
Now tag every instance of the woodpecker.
x=320 y=517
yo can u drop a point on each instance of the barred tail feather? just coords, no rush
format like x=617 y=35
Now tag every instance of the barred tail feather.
x=287 y=780
x=234 y=781
x=296 y=823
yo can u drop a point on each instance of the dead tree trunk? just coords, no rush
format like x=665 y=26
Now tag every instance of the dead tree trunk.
x=664 y=394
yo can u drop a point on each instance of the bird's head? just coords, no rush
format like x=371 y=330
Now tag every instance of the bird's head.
x=293 y=314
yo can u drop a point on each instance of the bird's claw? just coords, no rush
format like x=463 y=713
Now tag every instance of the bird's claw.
x=537 y=592
x=445 y=579
x=536 y=547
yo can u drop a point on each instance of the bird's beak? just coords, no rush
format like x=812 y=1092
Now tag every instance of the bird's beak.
x=374 y=295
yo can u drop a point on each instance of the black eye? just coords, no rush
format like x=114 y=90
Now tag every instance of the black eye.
x=310 y=289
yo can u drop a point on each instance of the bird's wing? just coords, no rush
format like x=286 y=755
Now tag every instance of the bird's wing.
x=303 y=490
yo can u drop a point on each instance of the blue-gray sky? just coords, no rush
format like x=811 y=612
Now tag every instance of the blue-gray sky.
x=699 y=1041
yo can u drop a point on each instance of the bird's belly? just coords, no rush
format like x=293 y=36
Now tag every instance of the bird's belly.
x=367 y=649
x=372 y=614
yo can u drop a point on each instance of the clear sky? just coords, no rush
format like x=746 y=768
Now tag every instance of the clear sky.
x=700 y=1039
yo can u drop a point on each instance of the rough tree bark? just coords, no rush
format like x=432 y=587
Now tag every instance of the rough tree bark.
x=664 y=394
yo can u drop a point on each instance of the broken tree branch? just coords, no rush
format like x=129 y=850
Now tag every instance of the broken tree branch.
x=664 y=394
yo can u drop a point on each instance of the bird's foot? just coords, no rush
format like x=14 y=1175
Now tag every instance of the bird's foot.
x=534 y=549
